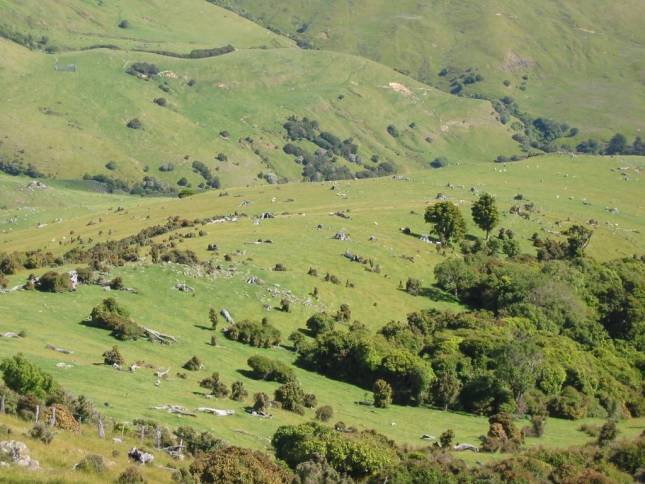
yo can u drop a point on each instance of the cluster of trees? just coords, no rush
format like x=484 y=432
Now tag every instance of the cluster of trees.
x=147 y=186
x=112 y=316
x=210 y=180
x=363 y=358
x=261 y=335
x=195 y=53
x=269 y=369
x=449 y=224
x=617 y=145
x=323 y=163
x=17 y=168
x=532 y=133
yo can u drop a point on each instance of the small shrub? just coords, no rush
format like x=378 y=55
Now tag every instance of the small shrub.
x=291 y=396
x=54 y=282
x=91 y=463
x=279 y=268
x=161 y=101
x=116 y=284
x=41 y=432
x=261 y=402
x=217 y=387
x=221 y=157
x=111 y=165
x=309 y=400
x=261 y=335
x=439 y=162
x=131 y=475
x=382 y=394
x=393 y=131
x=135 y=123
x=124 y=24
x=608 y=433
x=324 y=413
x=238 y=392
x=193 y=364
x=413 y=286
x=270 y=370
x=446 y=438
x=344 y=314
x=113 y=357
x=165 y=167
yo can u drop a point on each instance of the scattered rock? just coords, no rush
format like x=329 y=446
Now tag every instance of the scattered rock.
x=16 y=453
x=140 y=456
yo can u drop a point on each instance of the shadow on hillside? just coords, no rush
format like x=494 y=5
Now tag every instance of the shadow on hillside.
x=201 y=326
x=435 y=294
x=88 y=323
x=438 y=295
x=248 y=374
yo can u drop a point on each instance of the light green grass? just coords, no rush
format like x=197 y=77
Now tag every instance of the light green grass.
x=377 y=207
x=583 y=58
x=69 y=124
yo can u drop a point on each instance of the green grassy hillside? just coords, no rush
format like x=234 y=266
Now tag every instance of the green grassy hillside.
x=582 y=59
x=68 y=124
x=556 y=185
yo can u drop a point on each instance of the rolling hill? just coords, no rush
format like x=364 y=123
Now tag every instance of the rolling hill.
x=264 y=239
x=582 y=59
x=68 y=124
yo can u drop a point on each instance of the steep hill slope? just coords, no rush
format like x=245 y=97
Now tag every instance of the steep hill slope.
x=583 y=60
x=66 y=112
x=375 y=208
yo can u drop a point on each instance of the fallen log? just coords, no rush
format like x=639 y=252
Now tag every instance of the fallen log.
x=60 y=350
x=216 y=411
x=175 y=409
x=156 y=336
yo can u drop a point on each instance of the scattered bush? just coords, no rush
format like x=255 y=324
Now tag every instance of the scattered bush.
x=54 y=282
x=193 y=364
x=238 y=392
x=255 y=334
x=324 y=413
x=215 y=385
x=320 y=323
x=135 y=123
x=291 y=396
x=91 y=463
x=382 y=394
x=110 y=315
x=41 y=432
x=130 y=475
x=113 y=357
x=446 y=438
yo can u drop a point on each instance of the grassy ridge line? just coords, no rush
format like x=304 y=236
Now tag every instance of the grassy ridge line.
x=55 y=318
x=153 y=24
x=69 y=124
x=557 y=185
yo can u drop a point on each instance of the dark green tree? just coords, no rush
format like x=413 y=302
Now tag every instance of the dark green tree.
x=448 y=222
x=445 y=388
x=485 y=213
x=382 y=394
x=578 y=238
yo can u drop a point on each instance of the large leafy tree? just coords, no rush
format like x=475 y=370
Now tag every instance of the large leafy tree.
x=485 y=213
x=25 y=378
x=448 y=222
x=519 y=362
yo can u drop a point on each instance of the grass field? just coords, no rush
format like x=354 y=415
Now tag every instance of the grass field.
x=583 y=59
x=373 y=68
x=557 y=186
x=68 y=124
